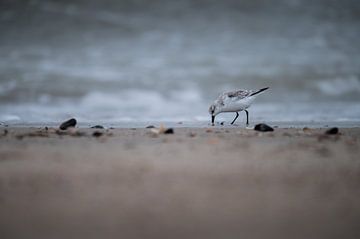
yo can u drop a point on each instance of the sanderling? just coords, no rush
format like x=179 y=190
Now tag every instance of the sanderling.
x=234 y=101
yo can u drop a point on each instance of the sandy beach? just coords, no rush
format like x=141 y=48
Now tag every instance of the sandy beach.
x=196 y=183
x=67 y=66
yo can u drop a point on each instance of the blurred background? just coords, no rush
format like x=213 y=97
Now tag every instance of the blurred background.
x=162 y=60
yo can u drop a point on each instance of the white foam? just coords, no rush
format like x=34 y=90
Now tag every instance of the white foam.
x=143 y=103
x=9 y=118
x=152 y=106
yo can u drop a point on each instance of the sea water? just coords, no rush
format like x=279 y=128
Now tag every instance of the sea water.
x=122 y=62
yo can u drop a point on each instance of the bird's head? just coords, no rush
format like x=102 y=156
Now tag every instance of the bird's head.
x=214 y=109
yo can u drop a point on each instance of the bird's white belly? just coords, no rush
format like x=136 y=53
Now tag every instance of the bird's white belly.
x=234 y=106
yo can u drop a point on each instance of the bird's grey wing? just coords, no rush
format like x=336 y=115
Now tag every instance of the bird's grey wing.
x=238 y=94
x=233 y=96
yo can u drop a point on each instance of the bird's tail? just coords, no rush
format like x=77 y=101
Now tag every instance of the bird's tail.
x=259 y=91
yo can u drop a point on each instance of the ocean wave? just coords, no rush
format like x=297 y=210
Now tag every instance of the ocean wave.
x=339 y=86
x=134 y=107
x=129 y=105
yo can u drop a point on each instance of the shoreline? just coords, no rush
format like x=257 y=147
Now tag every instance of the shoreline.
x=192 y=124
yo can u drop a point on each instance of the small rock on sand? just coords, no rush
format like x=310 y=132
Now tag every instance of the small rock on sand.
x=150 y=126
x=69 y=123
x=97 y=127
x=97 y=134
x=169 y=131
x=306 y=129
x=334 y=130
x=263 y=128
x=161 y=130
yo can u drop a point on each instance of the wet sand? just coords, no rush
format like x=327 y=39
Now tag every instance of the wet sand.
x=195 y=183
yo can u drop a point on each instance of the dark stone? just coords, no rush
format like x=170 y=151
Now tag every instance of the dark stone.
x=222 y=123
x=263 y=128
x=46 y=128
x=334 y=130
x=97 y=134
x=97 y=127
x=150 y=126
x=67 y=124
x=169 y=131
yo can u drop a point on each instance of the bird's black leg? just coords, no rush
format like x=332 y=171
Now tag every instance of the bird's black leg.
x=247 y=118
x=237 y=115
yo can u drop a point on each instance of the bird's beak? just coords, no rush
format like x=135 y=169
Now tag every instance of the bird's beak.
x=212 y=119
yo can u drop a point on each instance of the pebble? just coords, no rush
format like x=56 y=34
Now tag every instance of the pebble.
x=263 y=128
x=150 y=126
x=161 y=130
x=97 y=134
x=169 y=131
x=334 y=130
x=306 y=129
x=97 y=127
x=69 y=123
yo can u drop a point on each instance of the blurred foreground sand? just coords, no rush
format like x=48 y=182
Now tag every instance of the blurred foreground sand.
x=196 y=183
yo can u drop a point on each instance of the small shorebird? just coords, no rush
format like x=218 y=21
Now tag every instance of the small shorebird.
x=234 y=101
